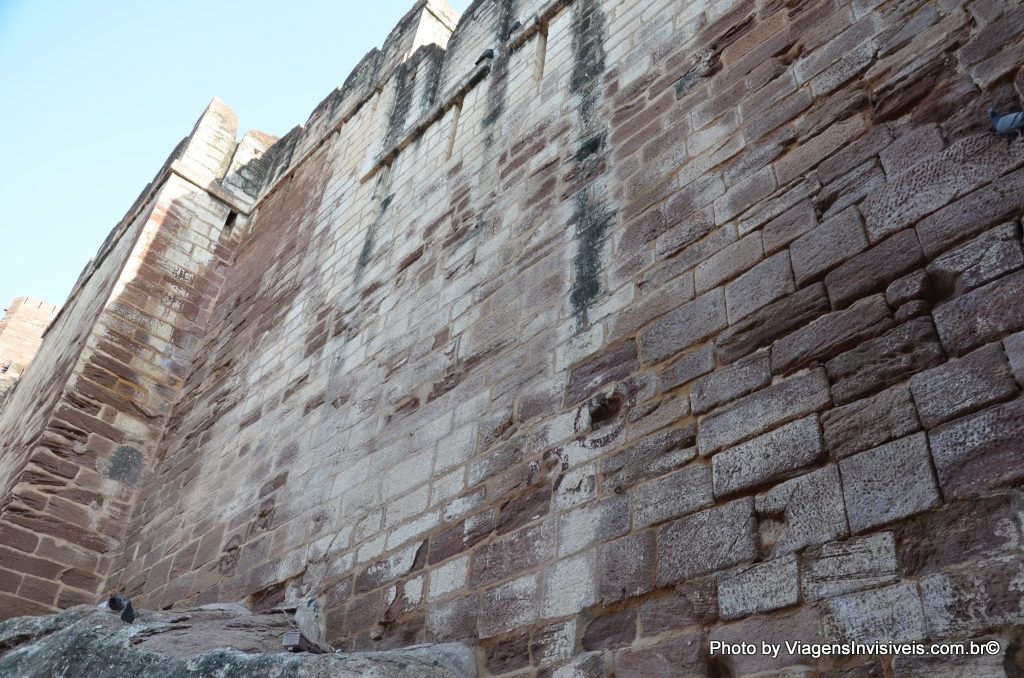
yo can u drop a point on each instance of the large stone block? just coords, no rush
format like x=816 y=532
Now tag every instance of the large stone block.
x=763 y=410
x=767 y=456
x=770 y=280
x=977 y=261
x=888 y=615
x=889 y=482
x=508 y=606
x=672 y=495
x=870 y=422
x=625 y=567
x=848 y=566
x=980 y=598
x=759 y=588
x=570 y=585
x=771 y=322
x=963 y=385
x=981 y=451
x=831 y=334
x=802 y=511
x=691 y=602
x=871 y=271
x=704 y=542
x=689 y=324
x=1014 y=347
x=731 y=382
x=832 y=242
x=682 y=655
x=651 y=457
x=596 y=522
x=982 y=315
x=885 y=360
x=801 y=626
x=962 y=532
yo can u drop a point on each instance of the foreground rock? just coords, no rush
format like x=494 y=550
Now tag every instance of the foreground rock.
x=214 y=640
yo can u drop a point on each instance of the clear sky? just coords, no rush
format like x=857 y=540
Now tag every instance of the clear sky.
x=94 y=96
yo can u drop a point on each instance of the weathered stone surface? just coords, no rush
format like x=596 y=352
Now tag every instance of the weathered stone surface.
x=759 y=588
x=570 y=585
x=596 y=522
x=980 y=451
x=691 y=602
x=802 y=511
x=710 y=540
x=915 y=286
x=832 y=242
x=911 y=148
x=972 y=214
x=886 y=360
x=770 y=280
x=800 y=625
x=727 y=384
x=589 y=665
x=687 y=368
x=961 y=533
x=788 y=226
x=889 y=482
x=953 y=665
x=672 y=495
x=982 y=315
x=625 y=567
x=869 y=422
x=651 y=457
x=977 y=261
x=678 y=655
x=963 y=385
x=760 y=411
x=887 y=615
x=727 y=264
x=771 y=322
x=1014 y=347
x=973 y=600
x=215 y=640
x=687 y=325
x=852 y=565
x=871 y=271
x=508 y=606
x=767 y=456
x=831 y=334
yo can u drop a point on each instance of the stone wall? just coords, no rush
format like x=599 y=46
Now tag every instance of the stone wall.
x=669 y=324
x=21 y=332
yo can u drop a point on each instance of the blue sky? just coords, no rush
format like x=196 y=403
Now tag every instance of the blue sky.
x=94 y=95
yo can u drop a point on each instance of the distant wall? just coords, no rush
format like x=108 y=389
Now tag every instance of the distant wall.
x=670 y=324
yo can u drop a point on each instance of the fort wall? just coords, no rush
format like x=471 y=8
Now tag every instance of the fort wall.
x=666 y=324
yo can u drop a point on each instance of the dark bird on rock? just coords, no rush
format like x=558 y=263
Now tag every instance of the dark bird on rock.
x=486 y=54
x=128 y=614
x=513 y=28
x=1008 y=125
x=116 y=603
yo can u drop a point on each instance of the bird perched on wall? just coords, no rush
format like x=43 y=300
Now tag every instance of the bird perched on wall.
x=128 y=613
x=123 y=605
x=116 y=603
x=486 y=54
x=512 y=29
x=1008 y=125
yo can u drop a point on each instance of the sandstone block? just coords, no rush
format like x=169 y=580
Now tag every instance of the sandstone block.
x=512 y=553
x=596 y=522
x=570 y=585
x=914 y=146
x=691 y=602
x=832 y=242
x=972 y=214
x=952 y=666
x=803 y=511
x=888 y=615
x=770 y=280
x=801 y=625
x=707 y=541
x=831 y=334
x=651 y=457
x=625 y=567
x=977 y=261
x=963 y=385
x=982 y=315
x=885 y=360
x=759 y=588
x=760 y=411
x=889 y=482
x=740 y=197
x=915 y=286
x=508 y=606
x=727 y=384
x=870 y=422
x=853 y=565
x=1014 y=347
x=767 y=456
x=776 y=320
x=672 y=495
x=589 y=665
x=982 y=597
x=689 y=324
x=725 y=265
x=873 y=269
x=788 y=226
x=687 y=368
x=976 y=529
x=980 y=451
x=673 y=656
x=611 y=366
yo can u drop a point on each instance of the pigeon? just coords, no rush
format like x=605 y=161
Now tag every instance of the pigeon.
x=116 y=603
x=512 y=29
x=1009 y=124
x=487 y=54
x=128 y=615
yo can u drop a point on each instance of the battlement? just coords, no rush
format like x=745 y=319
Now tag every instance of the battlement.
x=585 y=333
